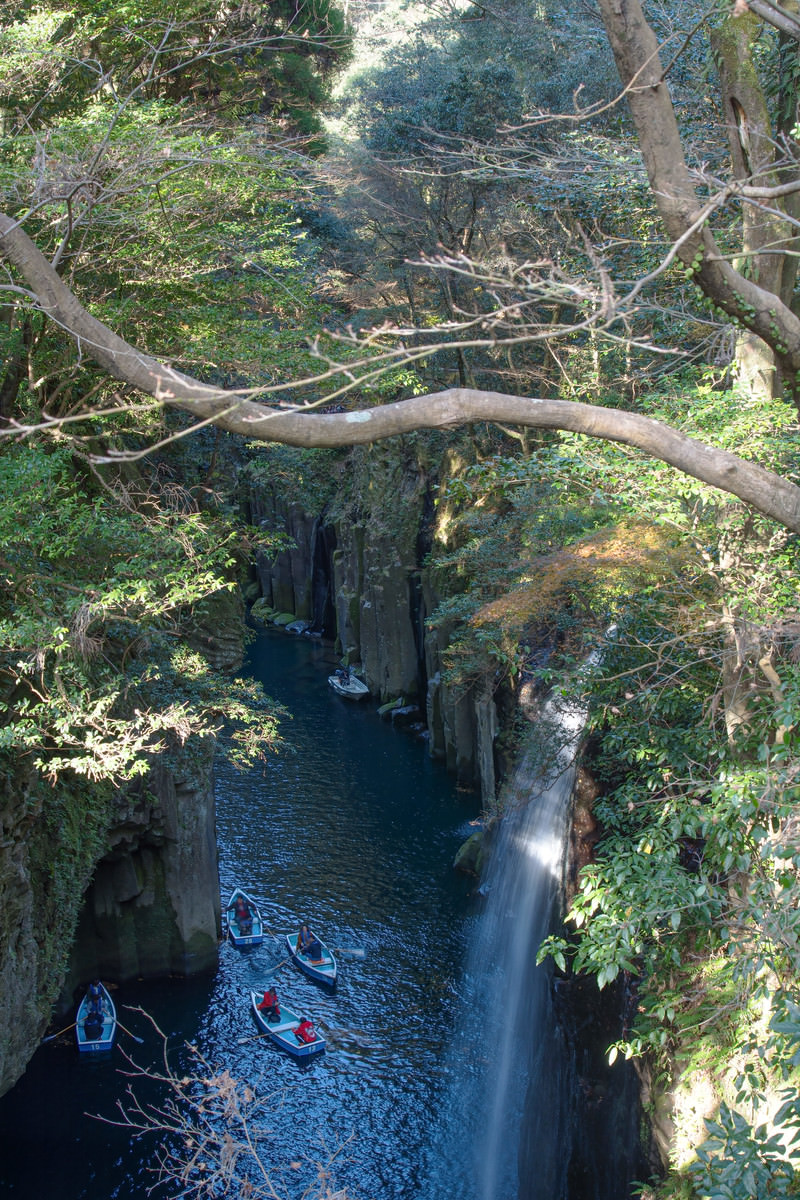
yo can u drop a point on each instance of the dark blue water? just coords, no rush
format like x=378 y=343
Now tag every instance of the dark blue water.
x=353 y=828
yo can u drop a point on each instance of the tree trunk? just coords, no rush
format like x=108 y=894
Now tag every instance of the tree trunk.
x=756 y=307
x=788 y=120
x=754 y=153
x=16 y=365
x=765 y=491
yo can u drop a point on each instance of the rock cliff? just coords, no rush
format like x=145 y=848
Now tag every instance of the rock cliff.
x=358 y=576
x=118 y=883
x=153 y=906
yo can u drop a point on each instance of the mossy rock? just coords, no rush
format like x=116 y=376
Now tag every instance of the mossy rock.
x=386 y=709
x=283 y=618
x=471 y=855
x=261 y=611
x=252 y=592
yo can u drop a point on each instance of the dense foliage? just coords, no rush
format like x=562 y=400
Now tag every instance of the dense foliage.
x=144 y=150
x=691 y=899
x=156 y=161
x=541 y=546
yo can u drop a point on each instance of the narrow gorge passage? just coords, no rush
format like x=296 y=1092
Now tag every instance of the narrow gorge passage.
x=354 y=828
x=438 y=1039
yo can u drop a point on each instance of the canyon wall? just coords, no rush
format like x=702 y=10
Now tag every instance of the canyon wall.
x=119 y=883
x=362 y=582
x=122 y=883
x=153 y=905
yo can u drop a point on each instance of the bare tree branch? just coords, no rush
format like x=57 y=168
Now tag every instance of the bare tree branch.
x=760 y=310
x=765 y=491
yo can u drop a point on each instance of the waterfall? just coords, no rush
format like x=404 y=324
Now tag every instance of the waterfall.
x=508 y=1060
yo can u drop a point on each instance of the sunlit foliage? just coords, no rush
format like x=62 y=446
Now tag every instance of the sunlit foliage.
x=99 y=601
x=150 y=153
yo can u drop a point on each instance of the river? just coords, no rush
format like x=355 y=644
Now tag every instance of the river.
x=354 y=828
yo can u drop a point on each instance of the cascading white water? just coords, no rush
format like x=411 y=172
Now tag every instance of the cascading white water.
x=507 y=1057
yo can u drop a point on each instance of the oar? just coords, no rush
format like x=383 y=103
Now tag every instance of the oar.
x=132 y=1035
x=350 y=951
x=253 y=1037
x=53 y=1036
x=279 y=965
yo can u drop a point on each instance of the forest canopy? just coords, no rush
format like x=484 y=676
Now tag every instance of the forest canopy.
x=565 y=237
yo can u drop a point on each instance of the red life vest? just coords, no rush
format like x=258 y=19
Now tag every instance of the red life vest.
x=305 y=1032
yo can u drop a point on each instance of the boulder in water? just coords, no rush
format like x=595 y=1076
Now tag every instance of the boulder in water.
x=471 y=855
x=297 y=627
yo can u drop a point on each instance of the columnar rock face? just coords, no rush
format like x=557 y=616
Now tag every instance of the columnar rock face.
x=128 y=882
x=285 y=579
x=117 y=884
x=463 y=725
x=217 y=624
x=153 y=907
x=380 y=593
x=387 y=649
x=20 y=1016
x=348 y=584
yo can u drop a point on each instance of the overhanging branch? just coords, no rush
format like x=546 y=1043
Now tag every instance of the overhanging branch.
x=768 y=493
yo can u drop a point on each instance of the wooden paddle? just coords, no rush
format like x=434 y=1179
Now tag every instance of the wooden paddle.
x=350 y=951
x=253 y=1038
x=53 y=1036
x=131 y=1035
x=279 y=965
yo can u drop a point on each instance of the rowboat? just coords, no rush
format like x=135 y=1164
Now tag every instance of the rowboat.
x=239 y=933
x=348 y=685
x=96 y=1022
x=282 y=1032
x=322 y=968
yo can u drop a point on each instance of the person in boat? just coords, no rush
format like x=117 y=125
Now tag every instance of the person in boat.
x=343 y=674
x=93 y=1025
x=308 y=944
x=95 y=998
x=269 y=1005
x=244 y=918
x=305 y=1031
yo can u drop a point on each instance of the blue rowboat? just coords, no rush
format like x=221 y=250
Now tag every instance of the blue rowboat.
x=321 y=968
x=239 y=933
x=282 y=1032
x=96 y=1023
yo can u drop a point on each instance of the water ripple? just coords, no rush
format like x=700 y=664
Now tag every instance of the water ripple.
x=354 y=830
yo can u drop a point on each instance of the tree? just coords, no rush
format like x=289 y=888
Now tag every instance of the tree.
x=231 y=62
x=212 y=1131
x=765 y=178
x=769 y=493
x=760 y=310
x=672 y=669
x=115 y=146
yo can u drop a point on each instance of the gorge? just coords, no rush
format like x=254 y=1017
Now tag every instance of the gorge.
x=160 y=869
x=381 y=822
x=451 y=338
